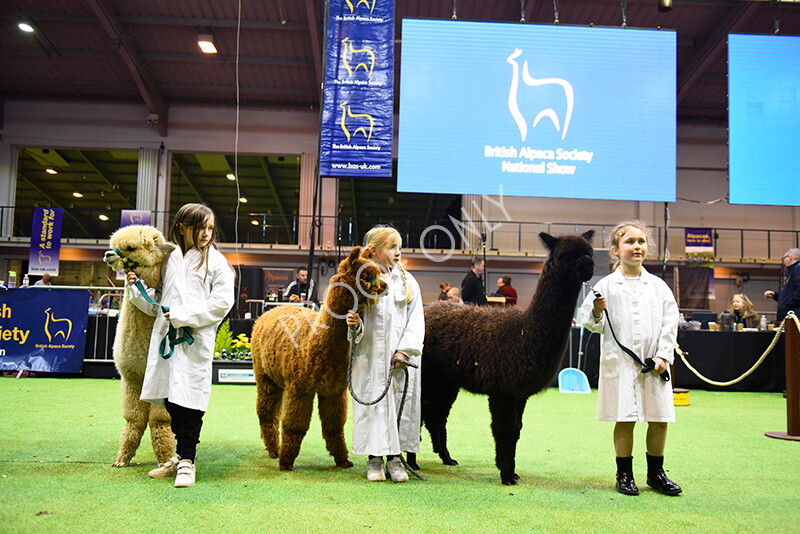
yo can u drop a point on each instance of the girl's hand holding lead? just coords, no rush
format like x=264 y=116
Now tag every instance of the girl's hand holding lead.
x=600 y=304
x=131 y=277
x=661 y=365
x=352 y=318
x=400 y=356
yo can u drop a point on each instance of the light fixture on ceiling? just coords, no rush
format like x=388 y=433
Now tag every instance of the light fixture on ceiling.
x=206 y=43
x=664 y=6
x=50 y=170
x=103 y=217
x=230 y=176
x=77 y=194
x=24 y=26
x=254 y=222
x=243 y=200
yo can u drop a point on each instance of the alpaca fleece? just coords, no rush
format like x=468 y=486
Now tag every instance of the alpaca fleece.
x=146 y=246
x=299 y=353
x=505 y=353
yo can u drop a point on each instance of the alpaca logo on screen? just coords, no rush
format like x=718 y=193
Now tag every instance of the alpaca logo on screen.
x=547 y=112
x=65 y=330
x=136 y=218
x=358 y=117
x=348 y=45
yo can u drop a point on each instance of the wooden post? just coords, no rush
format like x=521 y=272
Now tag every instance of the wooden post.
x=792 y=354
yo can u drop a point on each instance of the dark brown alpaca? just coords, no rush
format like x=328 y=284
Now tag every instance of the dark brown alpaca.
x=505 y=353
x=298 y=353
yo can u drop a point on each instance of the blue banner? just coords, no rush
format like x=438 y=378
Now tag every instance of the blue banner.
x=129 y=217
x=45 y=241
x=358 y=102
x=43 y=329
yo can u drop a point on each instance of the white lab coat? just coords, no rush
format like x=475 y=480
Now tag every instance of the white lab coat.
x=645 y=319
x=390 y=325
x=194 y=300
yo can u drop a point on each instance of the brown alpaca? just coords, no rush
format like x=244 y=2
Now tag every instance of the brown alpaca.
x=298 y=353
x=505 y=353
x=146 y=246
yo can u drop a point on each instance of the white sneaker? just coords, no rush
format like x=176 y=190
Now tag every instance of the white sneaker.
x=375 y=469
x=396 y=471
x=185 y=477
x=166 y=470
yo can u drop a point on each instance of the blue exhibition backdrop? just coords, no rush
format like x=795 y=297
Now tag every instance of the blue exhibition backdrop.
x=763 y=121
x=43 y=329
x=546 y=111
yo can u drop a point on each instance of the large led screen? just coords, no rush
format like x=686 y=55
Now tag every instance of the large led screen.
x=764 y=119
x=534 y=110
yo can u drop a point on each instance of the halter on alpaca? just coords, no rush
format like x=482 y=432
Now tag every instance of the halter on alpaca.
x=171 y=337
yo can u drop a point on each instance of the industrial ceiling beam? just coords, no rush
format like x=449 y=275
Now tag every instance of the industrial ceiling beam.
x=271 y=185
x=102 y=176
x=155 y=102
x=55 y=204
x=313 y=32
x=734 y=18
x=182 y=173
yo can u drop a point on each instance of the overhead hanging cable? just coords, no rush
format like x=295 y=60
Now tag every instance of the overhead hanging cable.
x=236 y=158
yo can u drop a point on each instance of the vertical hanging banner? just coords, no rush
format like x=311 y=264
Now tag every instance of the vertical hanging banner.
x=45 y=241
x=358 y=102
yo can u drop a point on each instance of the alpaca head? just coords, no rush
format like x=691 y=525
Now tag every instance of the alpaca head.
x=142 y=245
x=571 y=254
x=357 y=282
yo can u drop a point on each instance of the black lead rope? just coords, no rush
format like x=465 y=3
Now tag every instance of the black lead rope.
x=648 y=364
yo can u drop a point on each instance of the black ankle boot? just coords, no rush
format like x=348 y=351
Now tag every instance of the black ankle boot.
x=625 y=482
x=657 y=478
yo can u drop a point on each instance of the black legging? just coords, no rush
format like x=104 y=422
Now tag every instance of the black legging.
x=186 y=425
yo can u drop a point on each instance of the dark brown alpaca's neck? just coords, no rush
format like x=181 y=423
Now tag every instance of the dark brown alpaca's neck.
x=551 y=311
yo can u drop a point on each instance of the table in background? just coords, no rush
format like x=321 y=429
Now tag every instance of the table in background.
x=719 y=356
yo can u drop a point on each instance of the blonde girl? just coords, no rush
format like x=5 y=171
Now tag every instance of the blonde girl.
x=743 y=311
x=644 y=316
x=198 y=290
x=385 y=334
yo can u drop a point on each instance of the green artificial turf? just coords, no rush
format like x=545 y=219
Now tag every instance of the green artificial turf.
x=58 y=439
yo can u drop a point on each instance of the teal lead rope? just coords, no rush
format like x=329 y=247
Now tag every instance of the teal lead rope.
x=171 y=338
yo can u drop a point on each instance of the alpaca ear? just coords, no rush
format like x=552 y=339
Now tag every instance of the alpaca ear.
x=349 y=263
x=548 y=241
x=166 y=248
x=588 y=235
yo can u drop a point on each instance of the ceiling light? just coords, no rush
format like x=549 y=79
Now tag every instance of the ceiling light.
x=24 y=26
x=230 y=176
x=243 y=200
x=254 y=222
x=103 y=217
x=50 y=171
x=77 y=194
x=206 y=43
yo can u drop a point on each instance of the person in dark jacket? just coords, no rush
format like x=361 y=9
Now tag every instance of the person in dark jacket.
x=299 y=287
x=789 y=296
x=472 y=284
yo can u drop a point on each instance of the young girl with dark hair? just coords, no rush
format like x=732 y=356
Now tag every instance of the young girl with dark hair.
x=197 y=293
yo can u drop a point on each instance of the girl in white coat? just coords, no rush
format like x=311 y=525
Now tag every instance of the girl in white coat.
x=644 y=316
x=392 y=328
x=198 y=289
